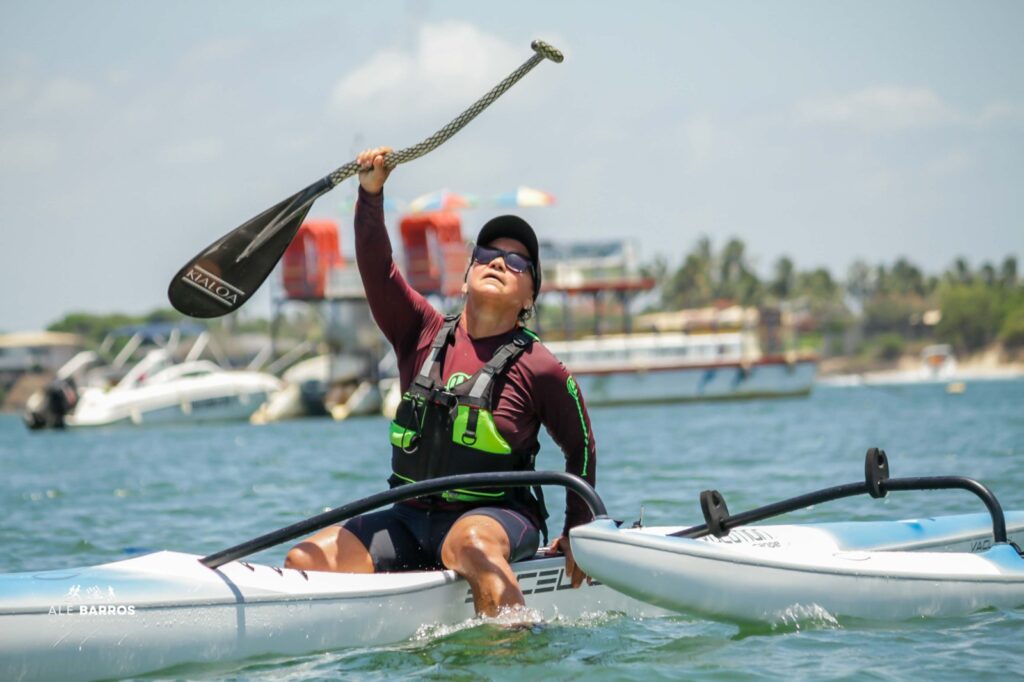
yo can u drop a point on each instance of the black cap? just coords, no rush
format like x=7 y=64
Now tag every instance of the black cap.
x=516 y=228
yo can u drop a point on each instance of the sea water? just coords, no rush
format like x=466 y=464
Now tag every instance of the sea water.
x=90 y=496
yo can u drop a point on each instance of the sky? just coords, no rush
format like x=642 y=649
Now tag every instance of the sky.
x=133 y=134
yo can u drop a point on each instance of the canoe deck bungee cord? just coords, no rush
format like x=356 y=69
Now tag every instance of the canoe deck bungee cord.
x=887 y=570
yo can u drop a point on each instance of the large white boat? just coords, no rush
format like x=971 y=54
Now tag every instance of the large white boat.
x=155 y=390
x=676 y=366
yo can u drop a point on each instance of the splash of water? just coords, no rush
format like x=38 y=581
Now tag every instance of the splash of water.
x=508 y=617
x=804 y=616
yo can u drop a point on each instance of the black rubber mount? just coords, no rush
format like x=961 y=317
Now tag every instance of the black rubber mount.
x=712 y=504
x=876 y=472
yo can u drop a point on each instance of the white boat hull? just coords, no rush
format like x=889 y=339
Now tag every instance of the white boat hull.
x=232 y=396
x=724 y=382
x=778 y=573
x=164 y=609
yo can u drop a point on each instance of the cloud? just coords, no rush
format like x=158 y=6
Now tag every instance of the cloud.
x=875 y=109
x=998 y=112
x=451 y=62
x=199 y=150
x=65 y=95
x=14 y=91
x=27 y=152
x=894 y=108
x=699 y=132
x=954 y=163
x=214 y=52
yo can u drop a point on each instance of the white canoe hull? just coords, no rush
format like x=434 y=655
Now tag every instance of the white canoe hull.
x=164 y=609
x=777 y=573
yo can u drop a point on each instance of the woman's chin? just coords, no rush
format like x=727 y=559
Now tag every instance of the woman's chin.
x=490 y=289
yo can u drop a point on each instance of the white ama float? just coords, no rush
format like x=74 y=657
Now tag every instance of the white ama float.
x=940 y=566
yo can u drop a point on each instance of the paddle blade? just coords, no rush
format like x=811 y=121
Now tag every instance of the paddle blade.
x=228 y=272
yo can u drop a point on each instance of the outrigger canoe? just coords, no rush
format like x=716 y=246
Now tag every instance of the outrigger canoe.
x=942 y=566
x=163 y=609
x=167 y=608
x=150 y=612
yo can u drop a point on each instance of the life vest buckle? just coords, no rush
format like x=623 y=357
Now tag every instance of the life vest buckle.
x=444 y=399
x=426 y=383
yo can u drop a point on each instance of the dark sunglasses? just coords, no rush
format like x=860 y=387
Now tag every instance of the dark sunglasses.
x=513 y=261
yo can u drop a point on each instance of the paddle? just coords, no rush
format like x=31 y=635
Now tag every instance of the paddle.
x=505 y=479
x=719 y=522
x=229 y=271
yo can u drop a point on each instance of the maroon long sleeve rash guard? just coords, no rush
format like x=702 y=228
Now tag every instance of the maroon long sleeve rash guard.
x=534 y=391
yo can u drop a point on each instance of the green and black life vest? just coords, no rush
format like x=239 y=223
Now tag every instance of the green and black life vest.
x=444 y=430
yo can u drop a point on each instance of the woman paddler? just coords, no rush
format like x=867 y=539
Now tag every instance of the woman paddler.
x=455 y=417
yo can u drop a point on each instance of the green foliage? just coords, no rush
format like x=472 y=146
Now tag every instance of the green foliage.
x=978 y=306
x=693 y=283
x=811 y=342
x=165 y=315
x=95 y=327
x=783 y=280
x=892 y=313
x=904 y=279
x=1012 y=332
x=888 y=347
x=1008 y=273
x=970 y=315
x=91 y=326
x=817 y=285
x=706 y=277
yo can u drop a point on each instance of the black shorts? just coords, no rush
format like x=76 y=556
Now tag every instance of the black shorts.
x=406 y=538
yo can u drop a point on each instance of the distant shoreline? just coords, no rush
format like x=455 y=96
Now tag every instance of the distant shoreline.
x=990 y=363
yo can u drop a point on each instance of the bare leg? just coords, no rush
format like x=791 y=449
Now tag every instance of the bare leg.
x=332 y=549
x=477 y=548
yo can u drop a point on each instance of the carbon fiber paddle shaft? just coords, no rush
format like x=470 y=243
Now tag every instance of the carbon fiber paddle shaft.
x=541 y=50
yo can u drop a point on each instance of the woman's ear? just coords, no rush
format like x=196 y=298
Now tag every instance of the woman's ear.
x=465 y=287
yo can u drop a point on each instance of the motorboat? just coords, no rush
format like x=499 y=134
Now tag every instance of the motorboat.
x=158 y=391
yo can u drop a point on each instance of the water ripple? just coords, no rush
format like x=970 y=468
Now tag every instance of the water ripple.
x=93 y=495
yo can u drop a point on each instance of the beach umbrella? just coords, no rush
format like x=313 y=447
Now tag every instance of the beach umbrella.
x=524 y=197
x=441 y=200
